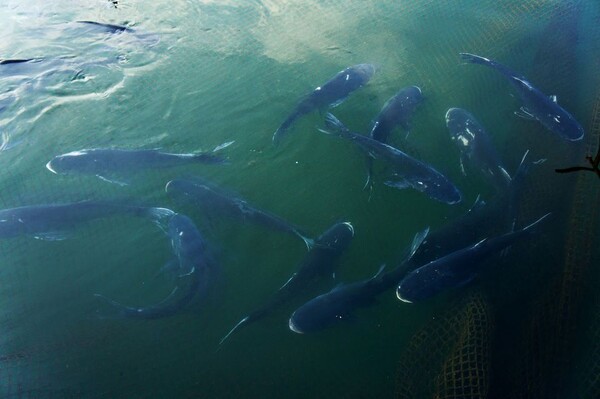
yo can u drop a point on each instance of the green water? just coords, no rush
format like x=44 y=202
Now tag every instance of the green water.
x=233 y=70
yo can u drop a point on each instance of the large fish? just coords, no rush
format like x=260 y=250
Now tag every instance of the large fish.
x=208 y=197
x=194 y=272
x=408 y=172
x=476 y=146
x=397 y=111
x=104 y=163
x=457 y=268
x=536 y=105
x=55 y=221
x=341 y=302
x=332 y=93
x=319 y=261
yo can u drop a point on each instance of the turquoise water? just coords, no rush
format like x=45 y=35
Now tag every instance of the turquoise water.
x=200 y=73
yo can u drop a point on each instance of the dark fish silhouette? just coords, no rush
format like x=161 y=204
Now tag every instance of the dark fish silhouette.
x=536 y=105
x=104 y=163
x=341 y=302
x=208 y=197
x=194 y=271
x=332 y=93
x=55 y=221
x=318 y=262
x=408 y=172
x=110 y=28
x=476 y=146
x=457 y=268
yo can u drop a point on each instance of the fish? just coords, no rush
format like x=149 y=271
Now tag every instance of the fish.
x=536 y=105
x=343 y=300
x=105 y=162
x=331 y=94
x=397 y=111
x=207 y=196
x=55 y=221
x=476 y=146
x=483 y=218
x=457 y=268
x=408 y=172
x=195 y=269
x=319 y=261
x=149 y=39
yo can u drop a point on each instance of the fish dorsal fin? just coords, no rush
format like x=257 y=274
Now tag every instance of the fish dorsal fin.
x=553 y=98
x=480 y=243
x=477 y=204
x=417 y=241
x=381 y=269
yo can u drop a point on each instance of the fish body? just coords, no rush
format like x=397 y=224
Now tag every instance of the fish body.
x=110 y=28
x=319 y=261
x=457 y=268
x=195 y=271
x=53 y=221
x=408 y=171
x=208 y=197
x=343 y=300
x=476 y=146
x=104 y=162
x=536 y=104
x=397 y=111
x=332 y=93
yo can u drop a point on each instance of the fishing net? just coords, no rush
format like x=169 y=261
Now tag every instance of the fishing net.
x=453 y=356
x=459 y=367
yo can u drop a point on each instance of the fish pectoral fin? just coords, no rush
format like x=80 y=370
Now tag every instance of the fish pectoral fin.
x=525 y=114
x=462 y=164
x=52 y=236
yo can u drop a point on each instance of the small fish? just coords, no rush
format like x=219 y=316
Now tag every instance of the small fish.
x=457 y=268
x=331 y=94
x=211 y=198
x=196 y=273
x=408 y=172
x=55 y=221
x=103 y=163
x=110 y=28
x=342 y=301
x=476 y=146
x=536 y=105
x=319 y=261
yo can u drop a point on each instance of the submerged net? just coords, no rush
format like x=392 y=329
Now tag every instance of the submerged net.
x=459 y=365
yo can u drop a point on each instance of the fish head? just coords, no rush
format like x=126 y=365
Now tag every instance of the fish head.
x=364 y=71
x=462 y=127
x=315 y=315
x=74 y=162
x=186 y=240
x=437 y=187
x=564 y=124
x=413 y=287
x=337 y=237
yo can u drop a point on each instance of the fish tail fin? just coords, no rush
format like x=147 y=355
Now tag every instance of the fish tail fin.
x=417 y=241
x=122 y=309
x=159 y=216
x=236 y=327
x=309 y=242
x=284 y=128
x=335 y=124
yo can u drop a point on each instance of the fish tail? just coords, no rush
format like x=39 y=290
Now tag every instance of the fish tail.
x=123 y=309
x=335 y=124
x=309 y=242
x=284 y=128
x=238 y=325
